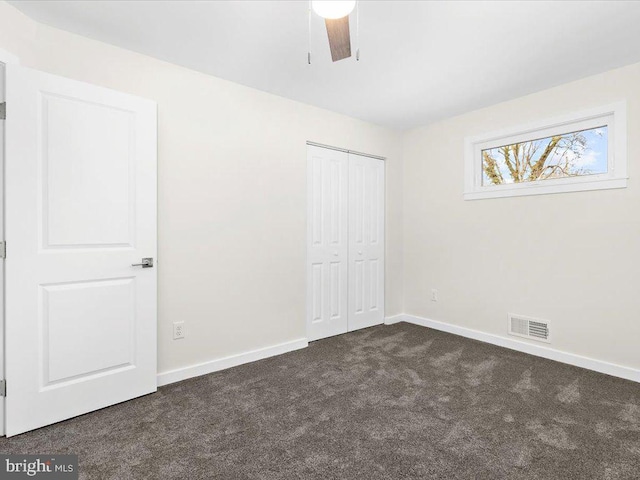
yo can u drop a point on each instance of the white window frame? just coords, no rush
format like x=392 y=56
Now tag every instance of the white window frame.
x=614 y=116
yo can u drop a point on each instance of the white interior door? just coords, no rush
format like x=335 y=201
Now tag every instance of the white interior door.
x=80 y=210
x=327 y=235
x=366 y=242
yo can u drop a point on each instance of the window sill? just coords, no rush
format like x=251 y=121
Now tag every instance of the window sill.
x=543 y=188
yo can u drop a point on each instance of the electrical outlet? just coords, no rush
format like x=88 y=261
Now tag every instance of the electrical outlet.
x=434 y=295
x=178 y=330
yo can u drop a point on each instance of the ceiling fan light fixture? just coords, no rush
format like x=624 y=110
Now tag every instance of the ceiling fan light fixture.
x=333 y=9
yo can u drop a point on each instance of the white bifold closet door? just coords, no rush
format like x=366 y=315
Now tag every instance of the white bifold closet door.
x=366 y=242
x=328 y=184
x=345 y=264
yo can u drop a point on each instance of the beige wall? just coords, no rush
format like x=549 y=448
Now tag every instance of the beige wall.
x=232 y=192
x=232 y=211
x=572 y=258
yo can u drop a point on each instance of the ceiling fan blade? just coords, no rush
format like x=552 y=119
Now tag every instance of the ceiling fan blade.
x=339 y=38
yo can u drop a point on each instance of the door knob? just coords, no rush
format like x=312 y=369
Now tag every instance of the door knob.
x=146 y=263
x=335 y=254
x=360 y=253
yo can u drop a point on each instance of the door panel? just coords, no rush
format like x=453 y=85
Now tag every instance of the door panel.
x=80 y=209
x=327 y=249
x=366 y=242
x=107 y=340
x=87 y=177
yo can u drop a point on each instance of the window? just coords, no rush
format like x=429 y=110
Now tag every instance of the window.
x=585 y=151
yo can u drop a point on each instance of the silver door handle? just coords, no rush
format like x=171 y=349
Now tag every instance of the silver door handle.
x=335 y=254
x=359 y=253
x=146 y=263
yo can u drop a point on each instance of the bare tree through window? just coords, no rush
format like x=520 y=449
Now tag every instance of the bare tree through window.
x=568 y=155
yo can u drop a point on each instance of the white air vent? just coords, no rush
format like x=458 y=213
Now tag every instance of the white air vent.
x=528 y=327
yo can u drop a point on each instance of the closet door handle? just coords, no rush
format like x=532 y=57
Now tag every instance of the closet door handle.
x=335 y=254
x=360 y=253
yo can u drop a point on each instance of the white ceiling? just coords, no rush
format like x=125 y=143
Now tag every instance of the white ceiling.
x=420 y=61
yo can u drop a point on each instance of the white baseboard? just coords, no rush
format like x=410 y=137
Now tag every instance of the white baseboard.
x=394 y=319
x=165 y=378
x=620 y=371
x=537 y=350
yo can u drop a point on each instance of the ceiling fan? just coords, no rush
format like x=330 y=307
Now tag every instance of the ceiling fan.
x=336 y=19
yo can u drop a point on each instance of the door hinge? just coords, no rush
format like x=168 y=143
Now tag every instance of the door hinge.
x=3 y=111
x=3 y=249
x=3 y=388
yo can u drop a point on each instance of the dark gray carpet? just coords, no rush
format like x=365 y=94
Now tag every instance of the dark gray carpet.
x=389 y=402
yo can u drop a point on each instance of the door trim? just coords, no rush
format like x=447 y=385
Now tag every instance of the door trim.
x=8 y=58
x=5 y=59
